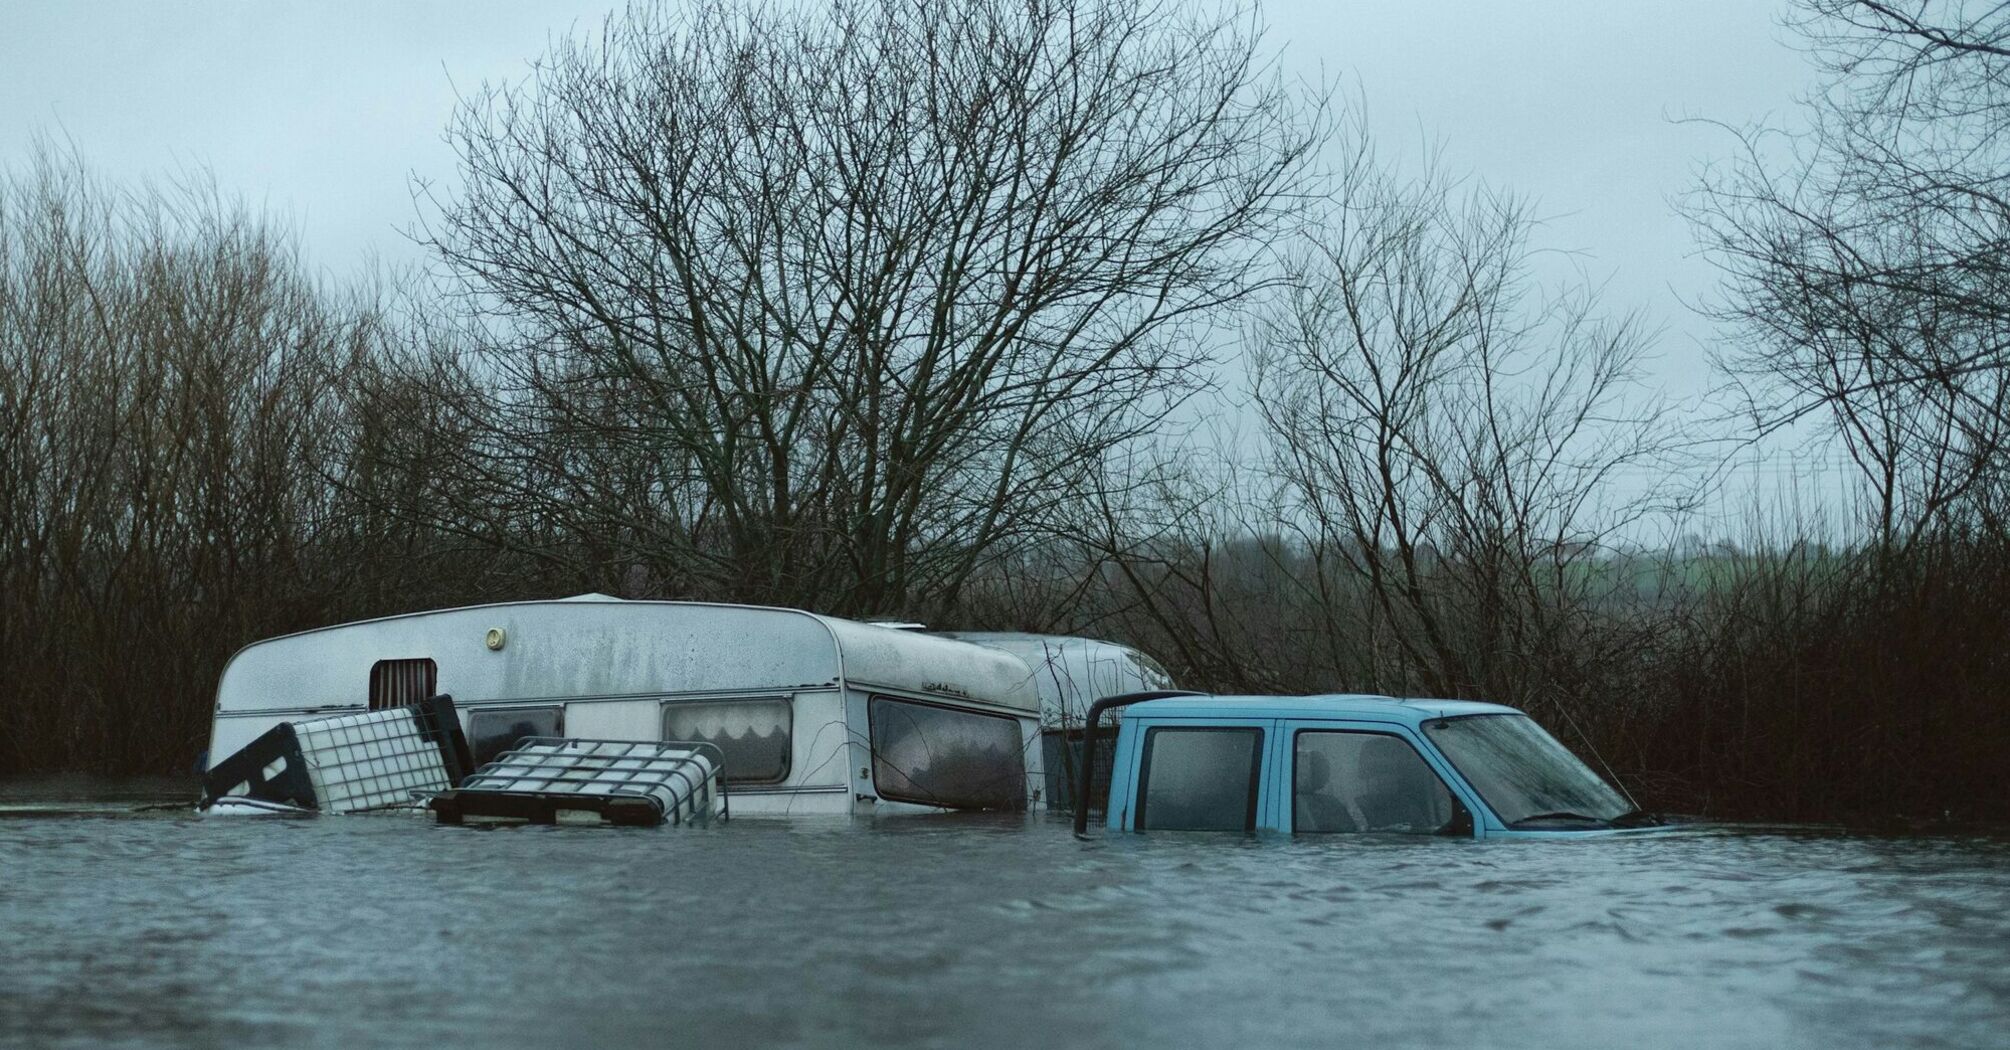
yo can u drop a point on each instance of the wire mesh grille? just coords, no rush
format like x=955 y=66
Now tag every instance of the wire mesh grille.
x=370 y=761
x=1063 y=754
x=681 y=776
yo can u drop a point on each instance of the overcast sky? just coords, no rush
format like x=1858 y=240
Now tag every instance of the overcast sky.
x=322 y=112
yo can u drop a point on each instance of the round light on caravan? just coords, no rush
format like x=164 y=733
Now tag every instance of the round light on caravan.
x=495 y=639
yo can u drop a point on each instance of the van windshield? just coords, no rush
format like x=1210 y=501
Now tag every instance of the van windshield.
x=1523 y=773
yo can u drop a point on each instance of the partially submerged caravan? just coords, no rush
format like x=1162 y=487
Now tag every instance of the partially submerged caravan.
x=812 y=714
x=1070 y=673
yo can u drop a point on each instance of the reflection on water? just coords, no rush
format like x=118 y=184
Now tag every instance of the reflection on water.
x=159 y=929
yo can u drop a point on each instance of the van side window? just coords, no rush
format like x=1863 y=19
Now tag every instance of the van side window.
x=754 y=736
x=939 y=757
x=1199 y=779
x=490 y=733
x=1346 y=781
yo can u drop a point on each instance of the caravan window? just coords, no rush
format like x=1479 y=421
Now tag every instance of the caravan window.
x=941 y=757
x=754 y=736
x=490 y=733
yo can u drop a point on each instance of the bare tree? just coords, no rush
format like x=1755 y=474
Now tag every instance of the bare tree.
x=165 y=454
x=1456 y=449
x=1864 y=257
x=837 y=305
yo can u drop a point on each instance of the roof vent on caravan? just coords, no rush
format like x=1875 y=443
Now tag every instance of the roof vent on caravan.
x=402 y=683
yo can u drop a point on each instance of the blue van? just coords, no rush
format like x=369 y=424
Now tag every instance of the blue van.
x=1346 y=764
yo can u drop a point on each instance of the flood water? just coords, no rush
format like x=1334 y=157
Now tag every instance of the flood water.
x=158 y=929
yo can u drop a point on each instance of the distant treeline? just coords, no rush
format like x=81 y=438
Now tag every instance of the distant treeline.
x=889 y=309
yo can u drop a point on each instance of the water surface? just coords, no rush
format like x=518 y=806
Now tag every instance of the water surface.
x=156 y=929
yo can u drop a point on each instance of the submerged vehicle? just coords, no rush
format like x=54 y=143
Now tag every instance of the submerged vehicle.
x=1070 y=672
x=808 y=714
x=1346 y=763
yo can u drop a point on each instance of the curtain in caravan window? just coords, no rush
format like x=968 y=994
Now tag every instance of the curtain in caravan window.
x=754 y=736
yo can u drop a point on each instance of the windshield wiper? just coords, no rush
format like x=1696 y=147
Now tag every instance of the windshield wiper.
x=1635 y=818
x=1562 y=814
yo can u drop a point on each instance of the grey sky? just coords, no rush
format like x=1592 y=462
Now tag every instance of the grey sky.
x=321 y=112
x=1577 y=103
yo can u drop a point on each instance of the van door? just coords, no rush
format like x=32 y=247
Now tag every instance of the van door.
x=1365 y=777
x=1203 y=776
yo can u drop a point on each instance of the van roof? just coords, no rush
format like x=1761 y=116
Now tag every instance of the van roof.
x=1364 y=706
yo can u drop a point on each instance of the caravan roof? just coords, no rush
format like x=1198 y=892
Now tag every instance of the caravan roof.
x=1071 y=672
x=594 y=645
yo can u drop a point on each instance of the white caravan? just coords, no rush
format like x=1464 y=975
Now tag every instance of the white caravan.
x=1072 y=673
x=814 y=715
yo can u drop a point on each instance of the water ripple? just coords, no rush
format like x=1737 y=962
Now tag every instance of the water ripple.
x=975 y=932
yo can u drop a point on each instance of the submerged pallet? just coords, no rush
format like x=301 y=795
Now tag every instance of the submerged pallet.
x=347 y=763
x=626 y=782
